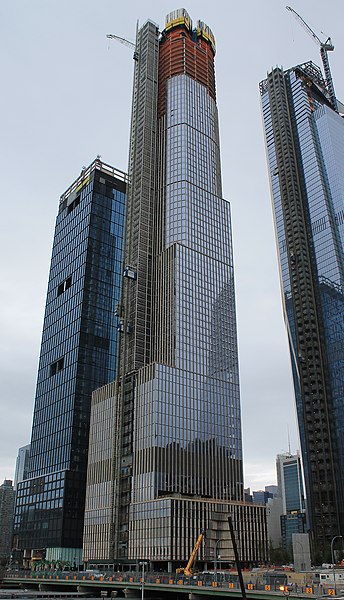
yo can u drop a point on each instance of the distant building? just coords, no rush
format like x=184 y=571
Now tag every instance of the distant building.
x=270 y=496
x=290 y=524
x=273 y=489
x=6 y=519
x=247 y=495
x=261 y=496
x=22 y=465
x=273 y=521
x=289 y=477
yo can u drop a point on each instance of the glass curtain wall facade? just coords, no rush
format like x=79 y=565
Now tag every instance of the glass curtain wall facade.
x=187 y=438
x=305 y=149
x=78 y=354
x=289 y=479
x=178 y=456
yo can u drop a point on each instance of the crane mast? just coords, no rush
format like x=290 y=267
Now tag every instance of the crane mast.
x=328 y=76
x=325 y=47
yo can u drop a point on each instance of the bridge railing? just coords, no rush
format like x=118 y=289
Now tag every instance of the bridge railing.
x=221 y=580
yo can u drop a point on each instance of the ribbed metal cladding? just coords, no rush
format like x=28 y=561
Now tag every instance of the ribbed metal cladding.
x=141 y=199
x=136 y=308
x=99 y=499
x=163 y=279
x=318 y=457
x=173 y=538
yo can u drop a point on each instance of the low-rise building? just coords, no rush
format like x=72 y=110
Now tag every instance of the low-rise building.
x=6 y=519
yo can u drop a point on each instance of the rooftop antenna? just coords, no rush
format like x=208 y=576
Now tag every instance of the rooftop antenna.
x=325 y=47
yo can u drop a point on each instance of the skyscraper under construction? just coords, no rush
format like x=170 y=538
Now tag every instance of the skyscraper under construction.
x=305 y=146
x=170 y=460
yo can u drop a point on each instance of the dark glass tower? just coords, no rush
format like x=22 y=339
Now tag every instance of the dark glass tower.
x=78 y=354
x=176 y=447
x=305 y=148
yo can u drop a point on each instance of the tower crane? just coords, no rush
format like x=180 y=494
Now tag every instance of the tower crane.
x=325 y=47
x=121 y=40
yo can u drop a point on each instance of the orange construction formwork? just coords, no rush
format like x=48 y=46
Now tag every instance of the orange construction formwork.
x=183 y=52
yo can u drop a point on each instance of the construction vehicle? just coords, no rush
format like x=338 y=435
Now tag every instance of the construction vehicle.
x=188 y=569
x=325 y=47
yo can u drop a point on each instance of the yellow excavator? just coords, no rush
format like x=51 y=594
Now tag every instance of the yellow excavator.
x=188 y=569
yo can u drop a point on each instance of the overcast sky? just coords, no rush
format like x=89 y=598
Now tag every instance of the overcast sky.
x=66 y=97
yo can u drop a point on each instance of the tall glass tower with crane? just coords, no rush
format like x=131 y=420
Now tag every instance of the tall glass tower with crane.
x=304 y=131
x=175 y=465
